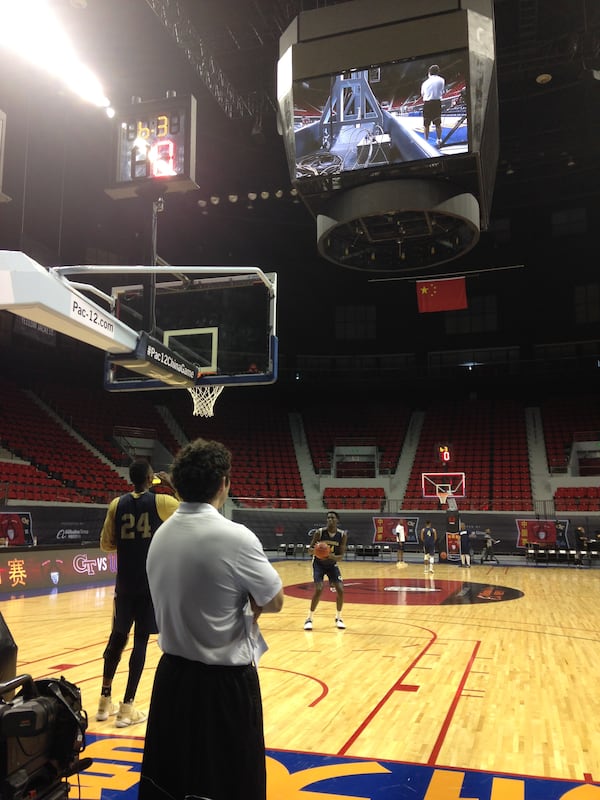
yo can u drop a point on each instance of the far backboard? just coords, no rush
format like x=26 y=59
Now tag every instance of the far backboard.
x=212 y=327
x=451 y=482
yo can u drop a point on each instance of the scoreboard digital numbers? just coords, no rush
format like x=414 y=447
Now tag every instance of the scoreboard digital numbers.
x=444 y=453
x=156 y=142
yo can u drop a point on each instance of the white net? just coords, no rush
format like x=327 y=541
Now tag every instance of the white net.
x=442 y=493
x=204 y=398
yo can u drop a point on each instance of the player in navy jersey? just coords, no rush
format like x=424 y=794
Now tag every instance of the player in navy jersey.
x=130 y=523
x=337 y=540
x=428 y=540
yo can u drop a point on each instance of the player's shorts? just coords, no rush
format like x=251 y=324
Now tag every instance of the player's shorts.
x=130 y=608
x=429 y=549
x=320 y=570
x=432 y=112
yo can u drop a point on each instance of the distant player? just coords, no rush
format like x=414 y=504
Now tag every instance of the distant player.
x=400 y=534
x=428 y=540
x=487 y=554
x=337 y=539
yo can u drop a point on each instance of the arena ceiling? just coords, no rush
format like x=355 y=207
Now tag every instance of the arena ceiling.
x=227 y=50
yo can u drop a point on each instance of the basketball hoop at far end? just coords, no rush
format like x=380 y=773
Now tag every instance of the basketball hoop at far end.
x=442 y=493
x=205 y=397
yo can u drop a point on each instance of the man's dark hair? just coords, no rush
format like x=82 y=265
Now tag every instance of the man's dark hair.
x=335 y=514
x=199 y=469
x=138 y=473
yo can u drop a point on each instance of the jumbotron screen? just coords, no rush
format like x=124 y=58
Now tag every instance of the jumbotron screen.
x=377 y=116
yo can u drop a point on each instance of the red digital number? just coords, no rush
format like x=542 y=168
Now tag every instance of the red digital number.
x=162 y=158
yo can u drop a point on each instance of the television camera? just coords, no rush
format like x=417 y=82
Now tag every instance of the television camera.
x=42 y=733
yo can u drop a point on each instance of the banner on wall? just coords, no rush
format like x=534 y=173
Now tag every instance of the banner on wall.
x=383 y=529
x=52 y=525
x=16 y=529
x=37 y=569
x=542 y=532
x=452 y=546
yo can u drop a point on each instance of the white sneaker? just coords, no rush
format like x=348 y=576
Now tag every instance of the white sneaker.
x=308 y=625
x=339 y=623
x=106 y=709
x=129 y=715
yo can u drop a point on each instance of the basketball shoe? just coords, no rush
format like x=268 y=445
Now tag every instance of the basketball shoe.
x=129 y=715
x=106 y=709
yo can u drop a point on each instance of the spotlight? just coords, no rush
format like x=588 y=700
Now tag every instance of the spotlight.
x=510 y=170
x=215 y=200
x=252 y=195
x=279 y=194
x=233 y=198
x=293 y=192
x=570 y=161
x=264 y=195
x=202 y=203
x=543 y=78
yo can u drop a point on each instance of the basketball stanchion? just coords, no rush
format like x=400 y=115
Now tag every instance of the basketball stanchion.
x=205 y=397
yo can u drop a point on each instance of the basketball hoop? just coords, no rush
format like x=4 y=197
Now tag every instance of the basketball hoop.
x=205 y=397
x=442 y=494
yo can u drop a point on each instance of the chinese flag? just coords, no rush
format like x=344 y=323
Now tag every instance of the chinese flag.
x=447 y=294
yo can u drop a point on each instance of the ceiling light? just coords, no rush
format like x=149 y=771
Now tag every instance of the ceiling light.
x=215 y=200
x=252 y=195
x=543 y=78
x=233 y=198
x=510 y=170
x=570 y=161
x=279 y=194
x=202 y=203
x=264 y=195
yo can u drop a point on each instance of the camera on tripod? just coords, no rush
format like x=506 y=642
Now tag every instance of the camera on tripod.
x=42 y=733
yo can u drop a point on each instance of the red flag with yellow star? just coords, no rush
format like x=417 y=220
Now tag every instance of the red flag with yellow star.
x=446 y=294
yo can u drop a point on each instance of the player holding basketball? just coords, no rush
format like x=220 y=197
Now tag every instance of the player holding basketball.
x=131 y=521
x=428 y=540
x=337 y=539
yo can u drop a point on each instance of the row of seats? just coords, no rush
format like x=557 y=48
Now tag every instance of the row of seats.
x=488 y=441
x=577 y=498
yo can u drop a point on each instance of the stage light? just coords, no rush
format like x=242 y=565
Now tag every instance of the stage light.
x=32 y=30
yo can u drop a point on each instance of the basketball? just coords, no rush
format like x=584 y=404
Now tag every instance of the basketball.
x=443 y=555
x=322 y=550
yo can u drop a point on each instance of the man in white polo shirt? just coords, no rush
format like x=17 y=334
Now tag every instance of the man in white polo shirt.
x=432 y=90
x=210 y=580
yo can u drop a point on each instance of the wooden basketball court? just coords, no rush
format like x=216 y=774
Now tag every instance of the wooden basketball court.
x=461 y=685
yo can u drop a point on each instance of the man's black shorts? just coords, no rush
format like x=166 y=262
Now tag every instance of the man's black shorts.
x=432 y=112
